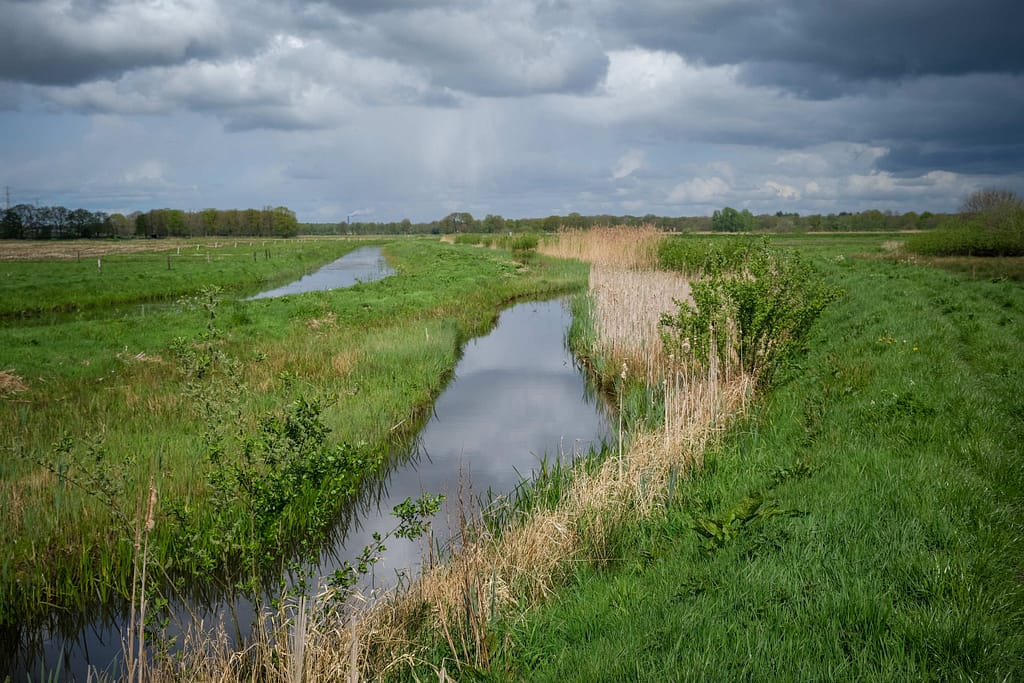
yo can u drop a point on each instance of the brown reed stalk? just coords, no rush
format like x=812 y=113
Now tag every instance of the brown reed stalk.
x=135 y=650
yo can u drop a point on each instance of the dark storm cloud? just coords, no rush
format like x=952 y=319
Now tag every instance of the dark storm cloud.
x=822 y=49
x=494 y=49
x=50 y=43
x=981 y=160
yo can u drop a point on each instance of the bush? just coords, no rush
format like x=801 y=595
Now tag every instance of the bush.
x=995 y=233
x=701 y=256
x=756 y=315
x=525 y=242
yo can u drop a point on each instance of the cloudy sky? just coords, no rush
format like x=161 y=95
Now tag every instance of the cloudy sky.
x=415 y=108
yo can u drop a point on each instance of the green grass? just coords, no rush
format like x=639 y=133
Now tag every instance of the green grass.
x=33 y=287
x=893 y=451
x=113 y=384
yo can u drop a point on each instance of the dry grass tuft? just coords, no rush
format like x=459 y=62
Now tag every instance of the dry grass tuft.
x=326 y=322
x=11 y=383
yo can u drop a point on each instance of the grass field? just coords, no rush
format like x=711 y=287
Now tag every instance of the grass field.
x=869 y=509
x=858 y=519
x=250 y=421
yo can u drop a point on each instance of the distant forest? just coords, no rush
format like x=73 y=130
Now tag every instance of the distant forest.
x=26 y=221
x=723 y=220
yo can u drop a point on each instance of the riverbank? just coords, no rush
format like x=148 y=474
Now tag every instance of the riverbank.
x=887 y=464
x=859 y=521
x=184 y=404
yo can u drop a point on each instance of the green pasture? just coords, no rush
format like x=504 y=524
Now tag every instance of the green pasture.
x=870 y=509
x=254 y=420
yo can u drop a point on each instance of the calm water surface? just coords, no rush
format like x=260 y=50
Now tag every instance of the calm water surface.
x=364 y=264
x=517 y=396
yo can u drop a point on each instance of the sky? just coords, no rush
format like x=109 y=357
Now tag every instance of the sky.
x=390 y=109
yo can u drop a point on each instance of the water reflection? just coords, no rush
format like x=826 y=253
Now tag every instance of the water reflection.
x=517 y=397
x=364 y=264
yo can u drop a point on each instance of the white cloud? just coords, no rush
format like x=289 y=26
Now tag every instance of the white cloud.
x=781 y=190
x=630 y=162
x=699 y=191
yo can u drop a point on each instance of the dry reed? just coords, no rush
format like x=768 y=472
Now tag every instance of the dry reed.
x=615 y=246
x=627 y=309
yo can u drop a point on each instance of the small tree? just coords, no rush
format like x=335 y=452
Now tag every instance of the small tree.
x=990 y=200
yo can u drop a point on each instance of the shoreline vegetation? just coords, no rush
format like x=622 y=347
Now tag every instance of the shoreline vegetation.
x=822 y=524
x=819 y=477
x=250 y=423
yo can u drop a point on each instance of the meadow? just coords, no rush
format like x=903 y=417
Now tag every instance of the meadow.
x=859 y=521
x=161 y=418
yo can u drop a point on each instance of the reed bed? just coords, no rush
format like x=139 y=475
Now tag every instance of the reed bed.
x=627 y=308
x=615 y=246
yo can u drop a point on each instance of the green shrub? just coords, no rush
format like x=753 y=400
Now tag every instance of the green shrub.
x=524 y=242
x=766 y=306
x=995 y=233
x=701 y=256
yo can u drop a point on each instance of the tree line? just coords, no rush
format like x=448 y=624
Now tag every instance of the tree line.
x=26 y=221
x=727 y=219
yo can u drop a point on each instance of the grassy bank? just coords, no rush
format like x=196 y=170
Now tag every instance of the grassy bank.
x=248 y=422
x=38 y=278
x=862 y=522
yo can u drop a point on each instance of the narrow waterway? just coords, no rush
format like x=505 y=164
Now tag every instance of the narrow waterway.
x=517 y=397
x=364 y=264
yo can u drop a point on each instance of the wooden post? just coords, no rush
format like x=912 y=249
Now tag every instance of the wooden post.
x=168 y=262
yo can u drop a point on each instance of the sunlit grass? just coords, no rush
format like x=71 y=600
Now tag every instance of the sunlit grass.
x=895 y=447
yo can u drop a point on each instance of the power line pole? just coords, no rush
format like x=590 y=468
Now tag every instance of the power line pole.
x=7 y=190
